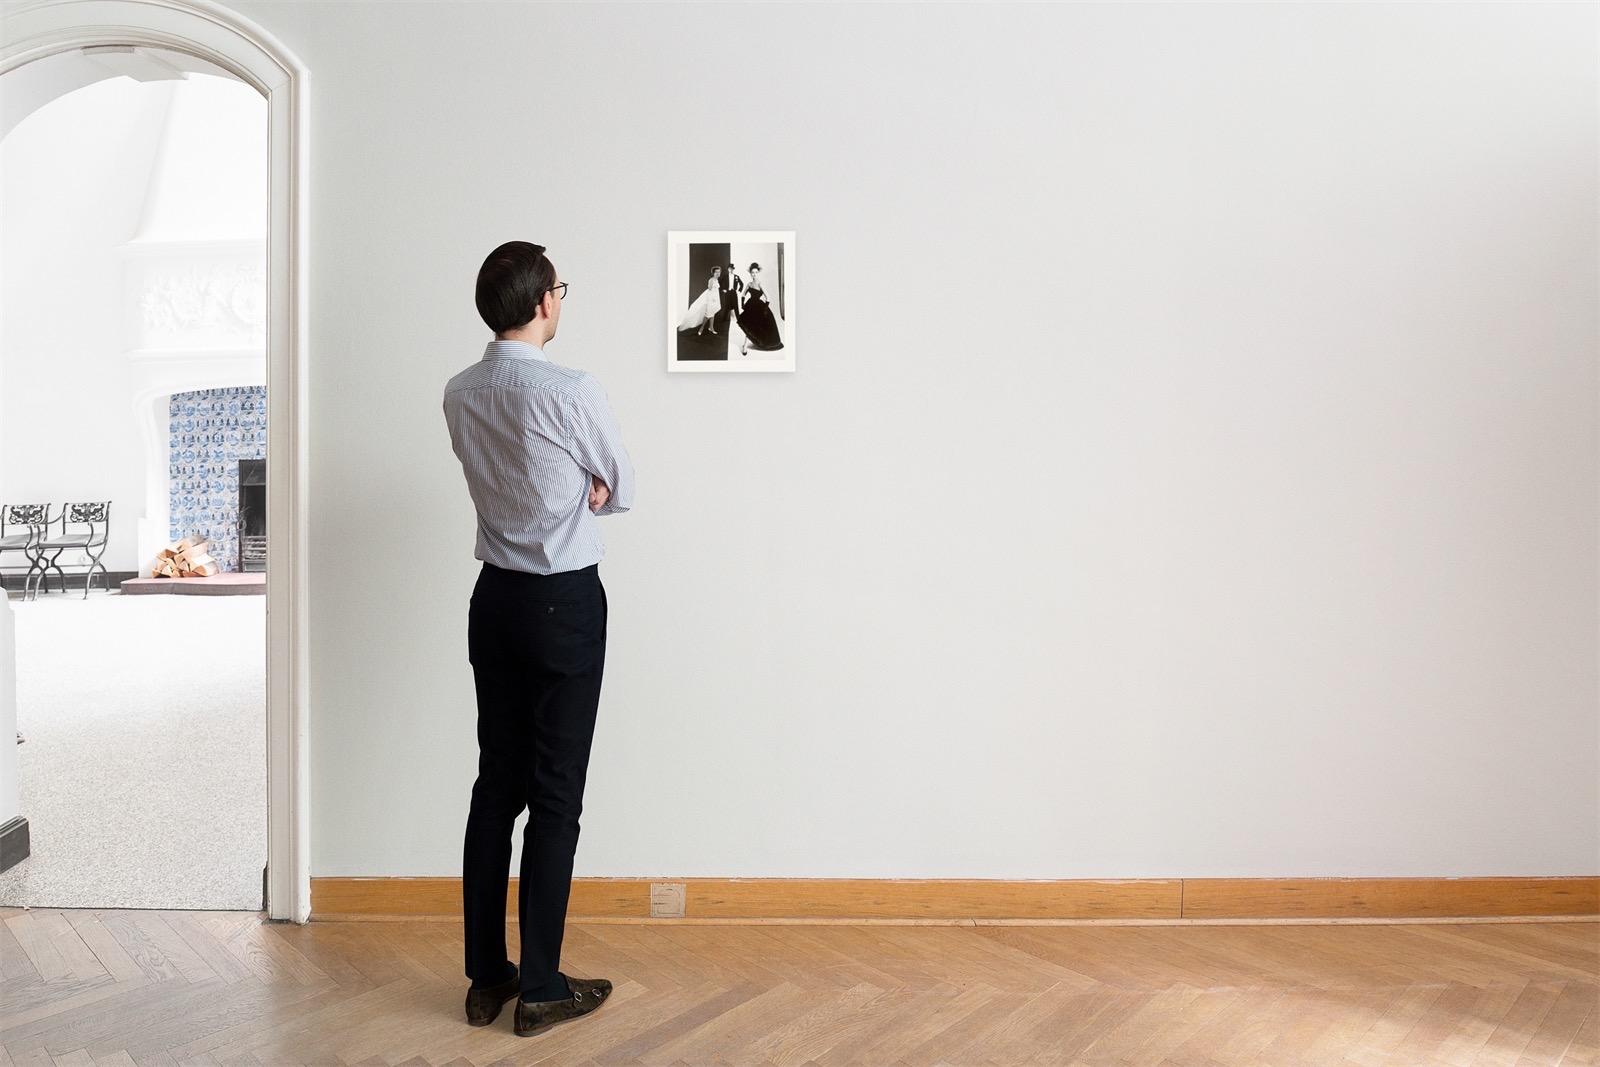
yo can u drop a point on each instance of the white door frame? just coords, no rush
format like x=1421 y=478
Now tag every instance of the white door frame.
x=37 y=28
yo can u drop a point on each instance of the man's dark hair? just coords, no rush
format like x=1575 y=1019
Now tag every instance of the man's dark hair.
x=511 y=283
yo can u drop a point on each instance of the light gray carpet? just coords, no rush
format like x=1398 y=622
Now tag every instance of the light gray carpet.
x=144 y=769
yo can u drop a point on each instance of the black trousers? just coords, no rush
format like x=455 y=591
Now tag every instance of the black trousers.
x=538 y=648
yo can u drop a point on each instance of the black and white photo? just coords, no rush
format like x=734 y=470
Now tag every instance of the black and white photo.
x=731 y=300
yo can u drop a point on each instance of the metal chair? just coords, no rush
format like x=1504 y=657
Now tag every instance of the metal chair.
x=32 y=518
x=95 y=522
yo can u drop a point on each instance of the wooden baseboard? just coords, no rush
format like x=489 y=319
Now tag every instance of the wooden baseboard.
x=1350 y=898
x=790 y=899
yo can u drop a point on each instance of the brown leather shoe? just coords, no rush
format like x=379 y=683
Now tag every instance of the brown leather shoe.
x=587 y=995
x=483 y=1005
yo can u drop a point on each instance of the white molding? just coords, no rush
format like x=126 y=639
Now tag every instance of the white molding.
x=222 y=246
x=200 y=28
x=181 y=299
x=244 y=355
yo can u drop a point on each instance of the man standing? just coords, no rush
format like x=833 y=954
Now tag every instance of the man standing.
x=543 y=458
x=725 y=286
x=732 y=287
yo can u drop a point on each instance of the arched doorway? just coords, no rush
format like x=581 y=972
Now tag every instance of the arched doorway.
x=36 y=31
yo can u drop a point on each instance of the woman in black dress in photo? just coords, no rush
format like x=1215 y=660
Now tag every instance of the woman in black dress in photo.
x=756 y=319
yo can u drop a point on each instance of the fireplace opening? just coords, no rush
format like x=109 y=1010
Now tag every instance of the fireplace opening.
x=252 y=514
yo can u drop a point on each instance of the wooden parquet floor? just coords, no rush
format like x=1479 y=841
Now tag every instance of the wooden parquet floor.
x=124 y=988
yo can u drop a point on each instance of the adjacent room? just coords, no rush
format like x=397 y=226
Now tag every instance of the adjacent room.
x=133 y=423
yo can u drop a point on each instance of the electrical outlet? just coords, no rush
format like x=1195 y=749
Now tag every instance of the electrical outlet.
x=667 y=900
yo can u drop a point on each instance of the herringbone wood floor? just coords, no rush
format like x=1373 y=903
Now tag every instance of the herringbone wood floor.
x=144 y=987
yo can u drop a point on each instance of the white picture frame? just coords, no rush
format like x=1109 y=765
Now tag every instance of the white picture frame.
x=722 y=320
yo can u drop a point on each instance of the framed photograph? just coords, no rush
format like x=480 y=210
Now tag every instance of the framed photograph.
x=731 y=300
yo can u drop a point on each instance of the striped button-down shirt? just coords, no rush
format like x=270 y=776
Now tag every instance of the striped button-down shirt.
x=530 y=436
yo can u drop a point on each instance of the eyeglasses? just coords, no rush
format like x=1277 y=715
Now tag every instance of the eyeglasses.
x=560 y=289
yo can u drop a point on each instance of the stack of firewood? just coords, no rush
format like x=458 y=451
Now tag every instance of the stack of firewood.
x=186 y=559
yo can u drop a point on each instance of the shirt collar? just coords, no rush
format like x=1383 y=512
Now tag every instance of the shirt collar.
x=513 y=350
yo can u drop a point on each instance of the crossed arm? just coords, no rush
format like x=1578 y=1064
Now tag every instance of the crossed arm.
x=596 y=443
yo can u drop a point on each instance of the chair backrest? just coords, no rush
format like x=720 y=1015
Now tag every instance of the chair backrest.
x=87 y=513
x=95 y=515
x=31 y=515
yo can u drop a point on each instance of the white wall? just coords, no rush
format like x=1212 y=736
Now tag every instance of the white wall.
x=74 y=174
x=124 y=203
x=1190 y=468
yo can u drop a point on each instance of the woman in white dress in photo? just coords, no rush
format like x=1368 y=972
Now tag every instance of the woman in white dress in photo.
x=703 y=311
